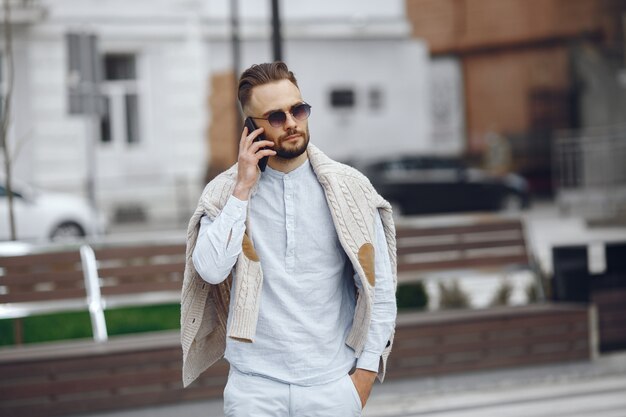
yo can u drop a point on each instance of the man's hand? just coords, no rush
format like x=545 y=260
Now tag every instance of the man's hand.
x=250 y=153
x=363 y=380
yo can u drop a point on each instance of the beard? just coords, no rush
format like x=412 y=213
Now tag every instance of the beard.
x=291 y=151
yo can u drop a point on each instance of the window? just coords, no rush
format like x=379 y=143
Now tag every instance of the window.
x=120 y=119
x=342 y=97
x=375 y=98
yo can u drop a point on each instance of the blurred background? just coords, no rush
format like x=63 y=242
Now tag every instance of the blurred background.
x=131 y=105
x=496 y=129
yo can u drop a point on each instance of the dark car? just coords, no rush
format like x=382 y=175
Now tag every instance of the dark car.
x=433 y=184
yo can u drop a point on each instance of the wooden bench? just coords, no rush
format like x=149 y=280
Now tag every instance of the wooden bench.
x=41 y=283
x=482 y=244
x=140 y=275
x=83 y=279
x=476 y=257
x=76 y=376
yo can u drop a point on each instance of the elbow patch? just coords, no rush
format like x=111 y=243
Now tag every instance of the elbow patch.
x=366 y=259
x=248 y=249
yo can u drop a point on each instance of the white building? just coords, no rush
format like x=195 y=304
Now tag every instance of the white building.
x=367 y=80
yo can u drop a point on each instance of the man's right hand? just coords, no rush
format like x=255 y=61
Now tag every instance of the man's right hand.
x=250 y=152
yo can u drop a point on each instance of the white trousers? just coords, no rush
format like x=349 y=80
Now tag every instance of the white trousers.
x=250 y=395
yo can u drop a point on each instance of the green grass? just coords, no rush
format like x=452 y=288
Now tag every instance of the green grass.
x=77 y=325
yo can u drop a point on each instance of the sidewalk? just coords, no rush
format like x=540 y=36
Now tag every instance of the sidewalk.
x=595 y=389
x=529 y=392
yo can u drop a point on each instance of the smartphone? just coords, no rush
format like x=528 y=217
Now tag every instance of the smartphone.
x=251 y=127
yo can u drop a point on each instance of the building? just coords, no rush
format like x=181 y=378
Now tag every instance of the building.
x=146 y=151
x=529 y=68
x=166 y=90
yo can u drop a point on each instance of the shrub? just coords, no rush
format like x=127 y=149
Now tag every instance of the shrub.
x=452 y=296
x=502 y=295
x=532 y=292
x=411 y=296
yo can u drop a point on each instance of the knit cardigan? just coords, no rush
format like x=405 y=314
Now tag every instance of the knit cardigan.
x=353 y=203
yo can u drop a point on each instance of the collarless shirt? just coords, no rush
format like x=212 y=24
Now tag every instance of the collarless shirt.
x=309 y=295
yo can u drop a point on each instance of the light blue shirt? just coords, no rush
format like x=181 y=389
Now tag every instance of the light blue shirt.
x=308 y=295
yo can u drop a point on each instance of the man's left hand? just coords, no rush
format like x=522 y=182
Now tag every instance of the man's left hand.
x=363 y=380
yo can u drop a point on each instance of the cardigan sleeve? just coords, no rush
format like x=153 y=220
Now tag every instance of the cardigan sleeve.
x=384 y=307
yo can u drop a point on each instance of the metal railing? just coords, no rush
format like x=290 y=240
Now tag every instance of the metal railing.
x=590 y=170
x=94 y=295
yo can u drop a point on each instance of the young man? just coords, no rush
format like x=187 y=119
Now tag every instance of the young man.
x=307 y=318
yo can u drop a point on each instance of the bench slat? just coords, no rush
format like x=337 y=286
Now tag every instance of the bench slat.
x=423 y=267
x=496 y=226
x=141 y=270
x=141 y=287
x=130 y=252
x=404 y=249
x=29 y=278
x=51 y=258
x=57 y=294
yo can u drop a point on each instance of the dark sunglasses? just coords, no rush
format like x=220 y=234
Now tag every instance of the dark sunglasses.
x=278 y=118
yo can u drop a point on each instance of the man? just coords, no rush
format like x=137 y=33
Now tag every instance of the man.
x=306 y=321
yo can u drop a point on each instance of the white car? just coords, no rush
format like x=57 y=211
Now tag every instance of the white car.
x=42 y=216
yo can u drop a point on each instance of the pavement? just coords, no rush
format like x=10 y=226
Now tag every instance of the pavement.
x=580 y=389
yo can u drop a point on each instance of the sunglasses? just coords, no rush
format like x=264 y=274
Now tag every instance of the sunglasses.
x=278 y=118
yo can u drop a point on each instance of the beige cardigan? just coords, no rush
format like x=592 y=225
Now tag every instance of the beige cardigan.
x=353 y=202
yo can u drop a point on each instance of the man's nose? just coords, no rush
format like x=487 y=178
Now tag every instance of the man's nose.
x=290 y=122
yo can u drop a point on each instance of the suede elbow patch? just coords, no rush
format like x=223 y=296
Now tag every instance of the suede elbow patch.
x=248 y=249
x=366 y=259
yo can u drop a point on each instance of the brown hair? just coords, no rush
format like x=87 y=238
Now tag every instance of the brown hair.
x=260 y=74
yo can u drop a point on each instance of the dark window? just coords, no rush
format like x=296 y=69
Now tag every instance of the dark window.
x=342 y=97
x=105 y=122
x=119 y=67
x=120 y=118
x=132 y=118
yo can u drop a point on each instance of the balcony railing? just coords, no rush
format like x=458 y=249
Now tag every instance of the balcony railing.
x=590 y=173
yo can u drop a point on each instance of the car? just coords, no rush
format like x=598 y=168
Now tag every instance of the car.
x=427 y=184
x=43 y=216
